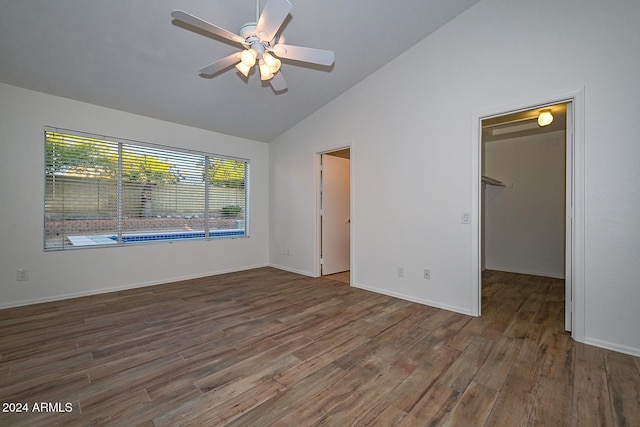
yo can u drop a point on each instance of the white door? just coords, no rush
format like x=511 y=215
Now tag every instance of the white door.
x=569 y=208
x=335 y=214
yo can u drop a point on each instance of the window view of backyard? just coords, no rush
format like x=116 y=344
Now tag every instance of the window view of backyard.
x=106 y=191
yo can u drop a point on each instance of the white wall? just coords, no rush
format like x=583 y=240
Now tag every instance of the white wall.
x=56 y=275
x=415 y=115
x=524 y=221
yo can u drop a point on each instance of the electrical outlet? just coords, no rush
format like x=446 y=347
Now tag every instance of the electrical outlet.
x=23 y=275
x=287 y=251
x=427 y=274
x=400 y=271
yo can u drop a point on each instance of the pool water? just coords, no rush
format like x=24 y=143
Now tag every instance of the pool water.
x=177 y=235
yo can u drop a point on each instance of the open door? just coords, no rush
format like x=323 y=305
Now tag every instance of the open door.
x=569 y=226
x=335 y=219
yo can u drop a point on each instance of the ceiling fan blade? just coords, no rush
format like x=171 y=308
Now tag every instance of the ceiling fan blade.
x=272 y=18
x=206 y=26
x=278 y=83
x=221 y=64
x=304 y=54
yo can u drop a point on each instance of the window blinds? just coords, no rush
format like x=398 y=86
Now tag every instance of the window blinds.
x=105 y=191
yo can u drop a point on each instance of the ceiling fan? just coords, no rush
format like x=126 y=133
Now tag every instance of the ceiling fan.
x=260 y=40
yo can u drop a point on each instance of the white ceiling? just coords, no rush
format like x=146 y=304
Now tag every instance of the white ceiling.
x=129 y=55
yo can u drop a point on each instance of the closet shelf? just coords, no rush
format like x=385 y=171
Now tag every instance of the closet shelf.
x=491 y=181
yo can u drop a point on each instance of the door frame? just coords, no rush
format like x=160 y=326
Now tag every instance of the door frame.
x=317 y=269
x=575 y=162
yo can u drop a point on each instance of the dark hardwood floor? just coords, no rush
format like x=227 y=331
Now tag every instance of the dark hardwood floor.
x=267 y=347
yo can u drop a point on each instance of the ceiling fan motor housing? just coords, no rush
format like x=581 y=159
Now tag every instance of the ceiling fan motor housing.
x=248 y=33
x=248 y=30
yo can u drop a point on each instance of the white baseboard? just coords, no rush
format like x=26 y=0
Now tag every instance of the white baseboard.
x=529 y=272
x=292 y=270
x=124 y=287
x=413 y=299
x=613 y=346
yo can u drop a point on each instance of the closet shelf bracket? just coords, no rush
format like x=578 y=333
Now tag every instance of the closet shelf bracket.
x=491 y=181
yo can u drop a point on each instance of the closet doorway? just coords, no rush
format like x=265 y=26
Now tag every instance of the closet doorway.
x=526 y=197
x=335 y=214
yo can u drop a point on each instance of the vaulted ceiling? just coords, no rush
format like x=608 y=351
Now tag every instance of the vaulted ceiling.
x=130 y=55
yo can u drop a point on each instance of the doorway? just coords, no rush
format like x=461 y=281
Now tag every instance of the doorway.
x=335 y=214
x=575 y=244
x=525 y=195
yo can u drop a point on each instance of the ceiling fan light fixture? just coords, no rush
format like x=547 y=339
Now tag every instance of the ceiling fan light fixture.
x=545 y=118
x=243 y=68
x=248 y=57
x=276 y=67
x=272 y=63
x=265 y=71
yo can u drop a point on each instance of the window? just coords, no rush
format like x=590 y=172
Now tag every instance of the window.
x=106 y=192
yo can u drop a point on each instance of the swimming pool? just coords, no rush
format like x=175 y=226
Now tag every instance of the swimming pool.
x=96 y=240
x=177 y=235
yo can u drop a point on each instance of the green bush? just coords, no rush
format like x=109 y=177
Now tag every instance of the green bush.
x=231 y=211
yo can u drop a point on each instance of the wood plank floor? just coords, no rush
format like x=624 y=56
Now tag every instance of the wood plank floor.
x=267 y=347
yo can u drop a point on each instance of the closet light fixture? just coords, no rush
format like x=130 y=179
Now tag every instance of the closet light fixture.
x=545 y=118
